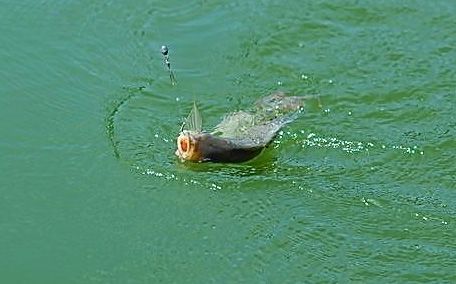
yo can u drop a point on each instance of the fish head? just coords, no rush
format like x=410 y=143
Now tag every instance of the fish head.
x=188 y=139
x=188 y=146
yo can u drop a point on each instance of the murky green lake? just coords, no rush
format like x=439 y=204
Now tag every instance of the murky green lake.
x=361 y=188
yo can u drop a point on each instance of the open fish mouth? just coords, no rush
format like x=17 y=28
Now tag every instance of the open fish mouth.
x=187 y=147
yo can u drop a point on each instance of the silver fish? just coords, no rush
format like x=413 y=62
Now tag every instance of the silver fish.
x=240 y=136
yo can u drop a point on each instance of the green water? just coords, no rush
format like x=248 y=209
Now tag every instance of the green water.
x=361 y=188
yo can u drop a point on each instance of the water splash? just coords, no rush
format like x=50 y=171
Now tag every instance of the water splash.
x=174 y=177
x=319 y=141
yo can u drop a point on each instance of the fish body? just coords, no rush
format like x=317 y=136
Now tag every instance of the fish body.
x=240 y=136
x=205 y=147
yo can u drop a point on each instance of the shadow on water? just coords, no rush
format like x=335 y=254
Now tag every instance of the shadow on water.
x=259 y=166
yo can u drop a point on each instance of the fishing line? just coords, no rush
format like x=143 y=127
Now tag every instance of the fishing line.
x=167 y=63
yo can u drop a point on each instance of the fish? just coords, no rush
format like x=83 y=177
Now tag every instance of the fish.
x=241 y=135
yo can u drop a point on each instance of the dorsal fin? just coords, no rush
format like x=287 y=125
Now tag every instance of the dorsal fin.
x=194 y=121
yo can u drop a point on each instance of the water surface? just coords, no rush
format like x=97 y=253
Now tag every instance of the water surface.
x=360 y=188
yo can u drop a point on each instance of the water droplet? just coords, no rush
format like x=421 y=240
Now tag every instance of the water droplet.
x=215 y=187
